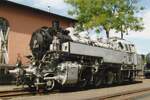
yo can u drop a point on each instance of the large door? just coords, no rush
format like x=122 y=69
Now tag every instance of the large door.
x=4 y=29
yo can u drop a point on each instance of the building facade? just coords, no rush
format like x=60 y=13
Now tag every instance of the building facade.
x=23 y=21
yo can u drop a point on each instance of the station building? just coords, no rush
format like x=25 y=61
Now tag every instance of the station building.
x=22 y=21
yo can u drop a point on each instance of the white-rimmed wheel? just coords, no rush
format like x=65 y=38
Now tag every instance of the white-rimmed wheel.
x=50 y=84
x=110 y=78
x=98 y=79
x=83 y=83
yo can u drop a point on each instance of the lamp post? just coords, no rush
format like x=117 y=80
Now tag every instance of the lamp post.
x=49 y=11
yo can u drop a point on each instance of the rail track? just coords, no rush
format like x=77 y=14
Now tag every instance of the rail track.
x=27 y=92
x=120 y=94
x=23 y=92
x=15 y=93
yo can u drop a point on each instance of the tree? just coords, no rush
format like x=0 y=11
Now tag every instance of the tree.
x=125 y=18
x=110 y=14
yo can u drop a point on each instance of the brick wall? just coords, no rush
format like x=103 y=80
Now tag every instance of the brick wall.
x=23 y=21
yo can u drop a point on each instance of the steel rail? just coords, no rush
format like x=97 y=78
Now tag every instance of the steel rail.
x=14 y=93
x=119 y=94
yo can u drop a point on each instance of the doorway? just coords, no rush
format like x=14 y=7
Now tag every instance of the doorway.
x=4 y=30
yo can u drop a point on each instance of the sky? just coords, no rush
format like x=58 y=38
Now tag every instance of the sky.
x=140 y=39
x=53 y=6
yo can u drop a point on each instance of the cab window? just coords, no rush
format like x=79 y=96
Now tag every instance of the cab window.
x=120 y=45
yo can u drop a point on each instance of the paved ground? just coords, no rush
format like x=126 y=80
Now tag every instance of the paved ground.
x=145 y=96
x=86 y=94
x=10 y=87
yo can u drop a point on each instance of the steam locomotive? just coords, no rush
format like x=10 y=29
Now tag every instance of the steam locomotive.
x=69 y=58
x=147 y=66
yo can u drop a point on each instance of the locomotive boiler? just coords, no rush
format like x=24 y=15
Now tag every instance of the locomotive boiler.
x=68 y=58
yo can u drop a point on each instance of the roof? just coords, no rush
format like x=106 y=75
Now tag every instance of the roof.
x=44 y=7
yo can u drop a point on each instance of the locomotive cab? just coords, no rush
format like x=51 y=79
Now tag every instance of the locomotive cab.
x=122 y=45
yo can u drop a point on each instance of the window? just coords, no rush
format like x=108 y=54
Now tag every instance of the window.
x=126 y=47
x=4 y=28
x=4 y=25
x=130 y=48
x=120 y=45
x=55 y=24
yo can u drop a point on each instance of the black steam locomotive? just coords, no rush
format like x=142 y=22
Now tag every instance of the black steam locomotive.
x=70 y=58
